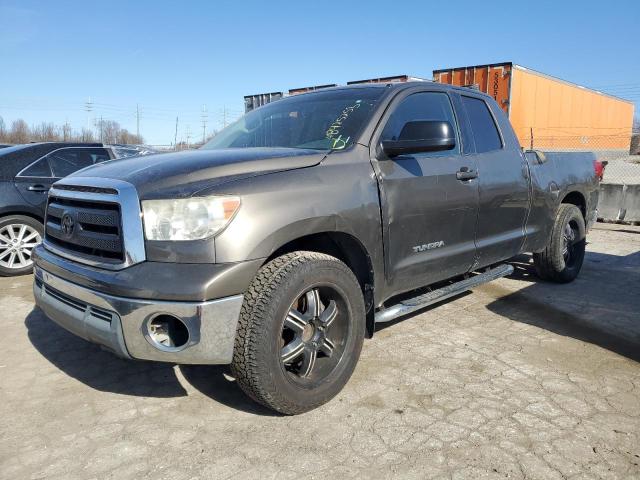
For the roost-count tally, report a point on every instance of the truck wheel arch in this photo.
(576, 198)
(347, 249)
(13, 213)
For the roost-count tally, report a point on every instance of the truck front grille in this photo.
(85, 228)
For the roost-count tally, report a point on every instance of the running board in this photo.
(410, 305)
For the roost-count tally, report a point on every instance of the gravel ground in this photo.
(519, 379)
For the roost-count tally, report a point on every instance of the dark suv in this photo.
(26, 174)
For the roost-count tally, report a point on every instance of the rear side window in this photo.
(37, 169)
(421, 106)
(485, 132)
(69, 160)
(99, 155)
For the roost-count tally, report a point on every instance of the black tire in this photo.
(562, 259)
(258, 361)
(15, 222)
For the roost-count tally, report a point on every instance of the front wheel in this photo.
(562, 259)
(19, 235)
(300, 332)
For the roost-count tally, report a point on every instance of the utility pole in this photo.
(203, 115)
(137, 121)
(188, 135)
(224, 116)
(101, 129)
(175, 138)
(88, 107)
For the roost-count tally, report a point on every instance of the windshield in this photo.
(328, 120)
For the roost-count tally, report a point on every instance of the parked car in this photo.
(279, 245)
(124, 151)
(26, 174)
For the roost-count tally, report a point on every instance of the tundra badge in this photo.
(428, 246)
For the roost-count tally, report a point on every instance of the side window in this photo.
(99, 155)
(422, 106)
(37, 169)
(68, 160)
(485, 132)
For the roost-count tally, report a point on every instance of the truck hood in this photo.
(183, 174)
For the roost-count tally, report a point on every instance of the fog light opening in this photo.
(167, 332)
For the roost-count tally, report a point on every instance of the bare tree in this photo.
(125, 136)
(109, 131)
(85, 136)
(19, 132)
(66, 132)
(45, 132)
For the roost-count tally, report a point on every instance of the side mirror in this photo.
(421, 136)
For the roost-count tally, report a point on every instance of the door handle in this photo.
(37, 188)
(465, 174)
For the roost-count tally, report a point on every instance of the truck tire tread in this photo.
(549, 263)
(253, 319)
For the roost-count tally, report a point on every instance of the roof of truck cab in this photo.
(392, 86)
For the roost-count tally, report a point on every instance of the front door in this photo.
(429, 209)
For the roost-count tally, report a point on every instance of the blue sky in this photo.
(171, 58)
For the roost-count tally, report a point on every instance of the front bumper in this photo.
(120, 324)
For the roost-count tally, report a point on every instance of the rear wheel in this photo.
(562, 259)
(18, 237)
(300, 332)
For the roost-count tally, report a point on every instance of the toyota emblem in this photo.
(67, 223)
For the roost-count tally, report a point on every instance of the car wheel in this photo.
(18, 237)
(300, 332)
(562, 259)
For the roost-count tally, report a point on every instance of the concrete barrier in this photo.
(619, 202)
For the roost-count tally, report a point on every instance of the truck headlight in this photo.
(187, 218)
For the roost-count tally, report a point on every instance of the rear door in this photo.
(503, 182)
(34, 181)
(429, 214)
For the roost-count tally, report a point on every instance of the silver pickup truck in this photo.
(278, 246)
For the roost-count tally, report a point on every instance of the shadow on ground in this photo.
(601, 307)
(102, 370)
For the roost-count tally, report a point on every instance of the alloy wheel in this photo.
(314, 334)
(17, 242)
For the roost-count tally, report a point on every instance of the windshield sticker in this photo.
(333, 132)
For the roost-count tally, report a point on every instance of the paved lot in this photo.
(519, 379)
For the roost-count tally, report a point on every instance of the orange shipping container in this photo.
(547, 112)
